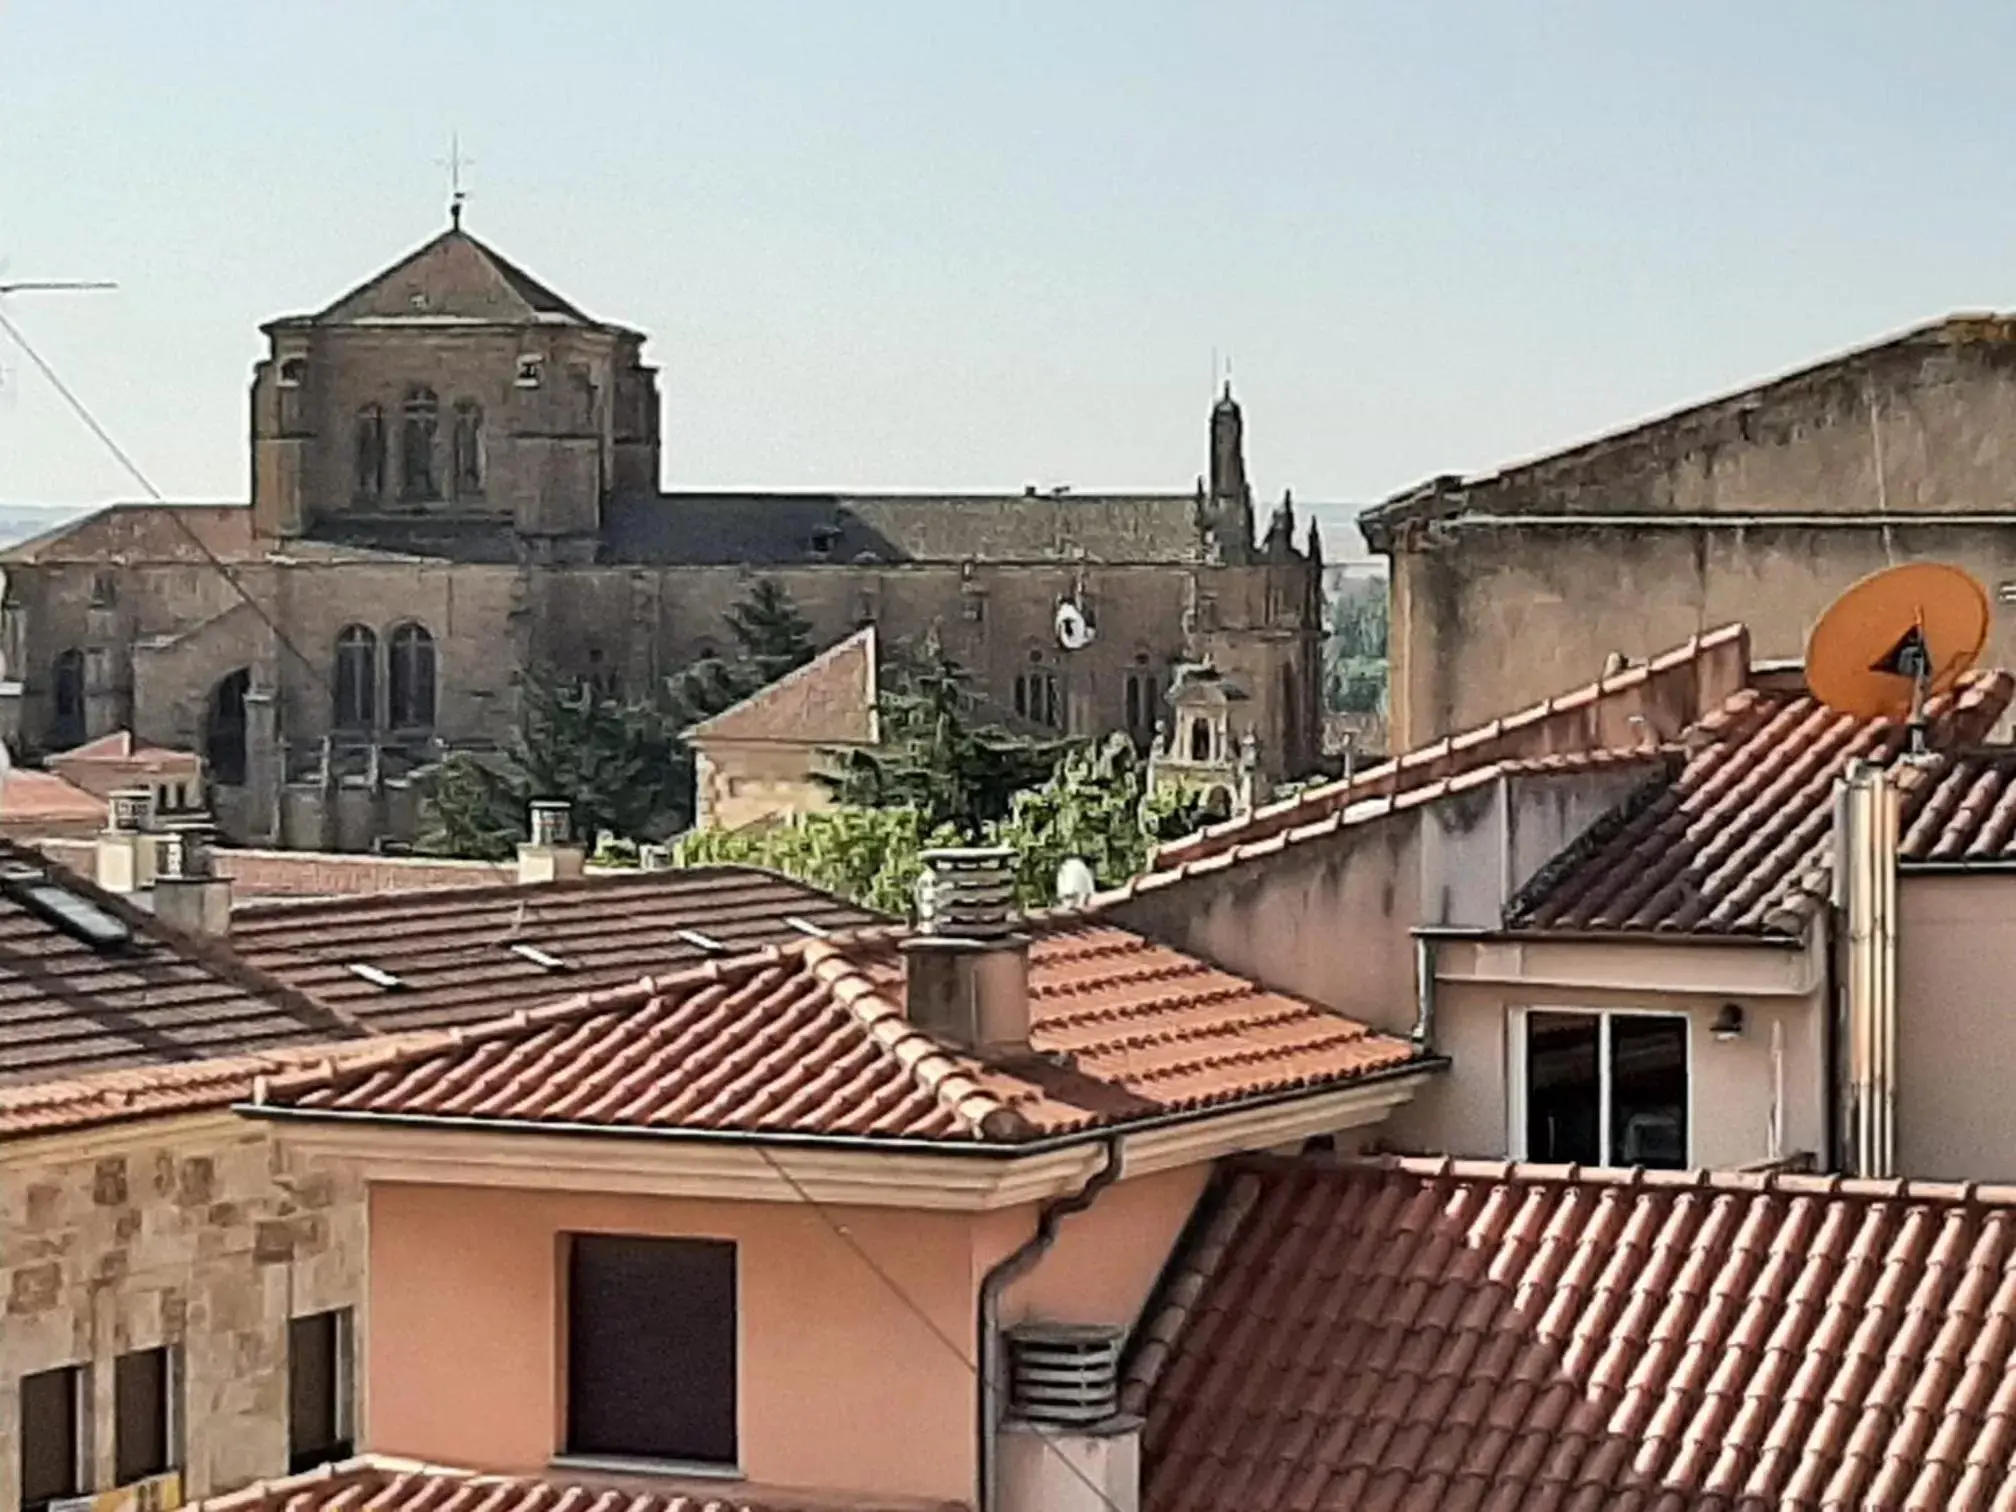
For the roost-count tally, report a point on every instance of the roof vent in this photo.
(552, 822)
(129, 810)
(967, 893)
(1064, 1375)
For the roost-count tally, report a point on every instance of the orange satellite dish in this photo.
(1897, 638)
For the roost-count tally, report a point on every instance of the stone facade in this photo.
(455, 477)
(1758, 507)
(200, 1234)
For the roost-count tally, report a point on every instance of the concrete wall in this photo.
(194, 1233)
(1329, 918)
(1956, 1035)
(1672, 526)
(739, 783)
(464, 1364)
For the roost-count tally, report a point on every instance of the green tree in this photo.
(771, 638)
(867, 855)
(1096, 805)
(622, 764)
(938, 754)
(616, 763)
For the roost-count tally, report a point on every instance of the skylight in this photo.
(701, 941)
(75, 915)
(373, 975)
(544, 960)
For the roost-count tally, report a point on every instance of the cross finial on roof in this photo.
(455, 162)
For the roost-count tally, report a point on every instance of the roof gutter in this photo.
(1017, 1263)
(973, 1148)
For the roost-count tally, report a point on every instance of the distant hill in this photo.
(21, 522)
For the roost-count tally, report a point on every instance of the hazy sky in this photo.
(956, 243)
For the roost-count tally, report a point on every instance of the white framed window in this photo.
(1601, 1087)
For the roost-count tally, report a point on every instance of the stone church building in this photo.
(1759, 506)
(456, 476)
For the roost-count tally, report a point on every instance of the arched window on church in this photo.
(1200, 740)
(412, 678)
(418, 477)
(468, 460)
(66, 713)
(371, 453)
(356, 681)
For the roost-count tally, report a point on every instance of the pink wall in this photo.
(463, 1341)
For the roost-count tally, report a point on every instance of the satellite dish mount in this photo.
(1895, 641)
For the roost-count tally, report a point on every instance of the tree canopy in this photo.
(623, 764)
(939, 754)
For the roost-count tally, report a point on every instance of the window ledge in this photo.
(623, 1464)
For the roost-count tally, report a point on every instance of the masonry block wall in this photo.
(1759, 507)
(199, 1234)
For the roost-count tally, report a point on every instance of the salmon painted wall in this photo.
(463, 1354)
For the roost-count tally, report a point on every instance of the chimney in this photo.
(188, 893)
(125, 859)
(966, 970)
(551, 854)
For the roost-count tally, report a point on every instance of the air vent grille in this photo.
(1064, 1375)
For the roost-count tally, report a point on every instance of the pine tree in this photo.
(773, 636)
(938, 756)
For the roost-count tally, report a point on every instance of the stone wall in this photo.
(1759, 507)
(199, 1234)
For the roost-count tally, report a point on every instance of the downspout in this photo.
(1010, 1268)
(1424, 992)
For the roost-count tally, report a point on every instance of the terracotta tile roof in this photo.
(147, 533)
(121, 746)
(813, 1040)
(269, 874)
(144, 999)
(1964, 812)
(828, 701)
(28, 797)
(376, 1483)
(1441, 1335)
(452, 949)
(1740, 842)
(1641, 705)
(1374, 806)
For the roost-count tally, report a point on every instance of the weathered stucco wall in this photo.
(466, 1286)
(1735, 1084)
(195, 1234)
(1760, 507)
(1329, 918)
(1956, 1036)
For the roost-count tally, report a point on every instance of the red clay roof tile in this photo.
(1740, 841)
(1621, 711)
(451, 949)
(1439, 1334)
(828, 701)
(376, 1483)
(813, 1040)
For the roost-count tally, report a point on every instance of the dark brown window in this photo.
(1606, 1089)
(412, 669)
(143, 1430)
(370, 452)
(66, 726)
(468, 461)
(1039, 696)
(50, 1450)
(319, 1376)
(1143, 705)
(651, 1365)
(356, 681)
(418, 477)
